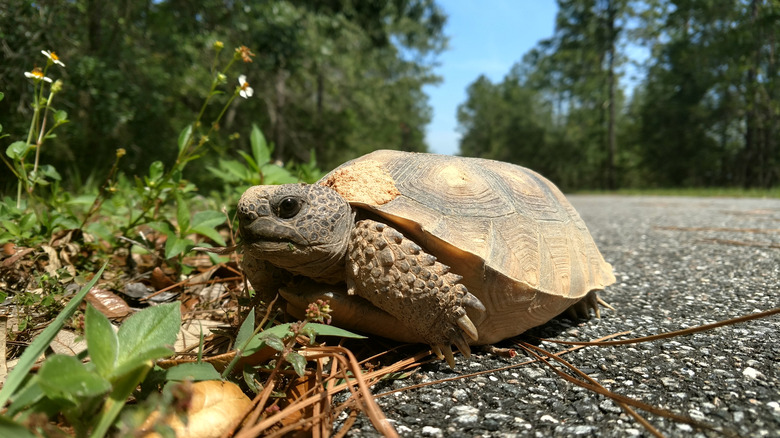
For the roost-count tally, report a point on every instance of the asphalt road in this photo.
(679, 263)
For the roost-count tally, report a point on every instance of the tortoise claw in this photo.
(463, 346)
(437, 351)
(447, 350)
(464, 322)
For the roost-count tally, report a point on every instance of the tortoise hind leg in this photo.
(581, 309)
(397, 276)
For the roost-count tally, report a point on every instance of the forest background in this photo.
(340, 78)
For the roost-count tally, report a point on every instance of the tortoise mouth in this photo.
(266, 233)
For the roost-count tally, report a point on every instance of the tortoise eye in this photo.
(289, 207)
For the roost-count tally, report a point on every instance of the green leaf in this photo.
(29, 221)
(102, 341)
(16, 150)
(12, 228)
(250, 162)
(193, 371)
(246, 329)
(260, 148)
(274, 342)
(25, 397)
(274, 174)
(297, 361)
(60, 117)
(250, 377)
(209, 218)
(234, 168)
(163, 227)
(184, 138)
(42, 341)
(222, 175)
(123, 387)
(280, 331)
(140, 360)
(82, 200)
(182, 214)
(64, 377)
(146, 335)
(211, 233)
(156, 170)
(176, 246)
(329, 330)
(2, 95)
(50, 171)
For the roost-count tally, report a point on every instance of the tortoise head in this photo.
(303, 228)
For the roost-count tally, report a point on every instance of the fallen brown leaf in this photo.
(108, 303)
(214, 408)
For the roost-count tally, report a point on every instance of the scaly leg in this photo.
(397, 276)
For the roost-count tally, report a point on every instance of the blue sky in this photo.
(485, 37)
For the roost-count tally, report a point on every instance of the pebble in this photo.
(432, 431)
(753, 373)
(464, 415)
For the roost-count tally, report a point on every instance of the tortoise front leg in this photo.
(397, 276)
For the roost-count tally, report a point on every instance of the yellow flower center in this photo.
(54, 56)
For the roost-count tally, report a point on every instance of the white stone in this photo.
(431, 431)
(753, 373)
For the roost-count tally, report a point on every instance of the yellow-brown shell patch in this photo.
(367, 182)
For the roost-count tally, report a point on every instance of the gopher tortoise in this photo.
(424, 248)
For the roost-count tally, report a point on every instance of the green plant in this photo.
(258, 168)
(91, 395)
(160, 185)
(283, 338)
(29, 175)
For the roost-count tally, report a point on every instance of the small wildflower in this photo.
(319, 311)
(221, 78)
(218, 45)
(53, 57)
(37, 74)
(57, 86)
(245, 53)
(245, 90)
(120, 152)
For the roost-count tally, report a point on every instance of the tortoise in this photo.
(425, 248)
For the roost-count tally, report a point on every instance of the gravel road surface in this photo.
(679, 263)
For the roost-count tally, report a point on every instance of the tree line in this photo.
(341, 78)
(336, 77)
(705, 114)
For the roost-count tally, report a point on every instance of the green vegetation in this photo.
(338, 78)
(706, 114)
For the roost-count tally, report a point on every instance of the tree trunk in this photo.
(611, 139)
(751, 161)
(773, 108)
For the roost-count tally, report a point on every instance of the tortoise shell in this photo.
(519, 244)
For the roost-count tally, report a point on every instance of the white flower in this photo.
(245, 90)
(37, 75)
(53, 57)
